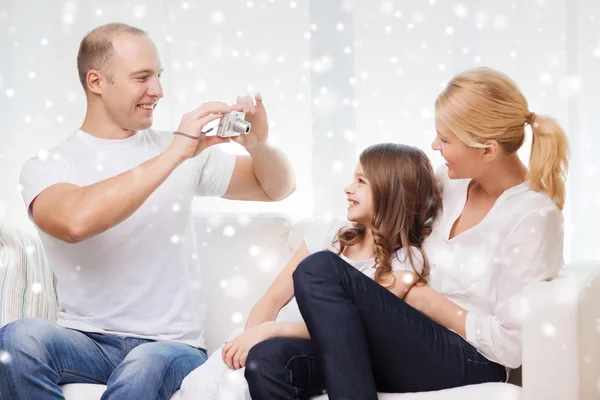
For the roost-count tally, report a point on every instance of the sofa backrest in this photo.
(240, 257)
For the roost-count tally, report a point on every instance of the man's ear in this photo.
(94, 81)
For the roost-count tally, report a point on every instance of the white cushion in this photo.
(88, 391)
(487, 391)
(561, 355)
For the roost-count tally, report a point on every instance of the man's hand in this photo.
(194, 139)
(256, 114)
(236, 351)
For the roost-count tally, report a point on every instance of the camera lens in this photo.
(241, 126)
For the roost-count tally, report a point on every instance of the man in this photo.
(112, 206)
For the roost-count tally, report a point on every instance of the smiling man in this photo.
(112, 207)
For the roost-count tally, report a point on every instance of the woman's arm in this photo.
(404, 280)
(279, 293)
(437, 307)
(531, 254)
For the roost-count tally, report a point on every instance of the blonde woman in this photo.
(500, 229)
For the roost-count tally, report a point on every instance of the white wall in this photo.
(336, 76)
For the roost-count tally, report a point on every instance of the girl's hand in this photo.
(236, 351)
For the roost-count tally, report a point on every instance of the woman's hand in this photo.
(236, 351)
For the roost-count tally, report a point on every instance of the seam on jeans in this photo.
(479, 362)
(100, 349)
(13, 391)
(287, 366)
(60, 372)
(296, 392)
(168, 372)
(300, 356)
(80, 375)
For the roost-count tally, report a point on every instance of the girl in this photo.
(500, 229)
(392, 200)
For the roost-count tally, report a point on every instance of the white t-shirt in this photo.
(485, 269)
(326, 239)
(140, 278)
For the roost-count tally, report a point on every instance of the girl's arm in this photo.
(279, 293)
(261, 325)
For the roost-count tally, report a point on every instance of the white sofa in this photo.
(241, 255)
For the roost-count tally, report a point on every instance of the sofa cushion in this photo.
(487, 391)
(88, 391)
(27, 284)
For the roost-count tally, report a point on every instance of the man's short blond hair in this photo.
(96, 49)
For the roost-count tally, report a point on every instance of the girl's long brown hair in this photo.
(406, 197)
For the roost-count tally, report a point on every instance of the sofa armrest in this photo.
(561, 331)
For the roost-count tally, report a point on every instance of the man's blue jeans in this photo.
(40, 355)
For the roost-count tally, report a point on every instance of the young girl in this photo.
(392, 200)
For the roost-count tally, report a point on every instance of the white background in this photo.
(336, 77)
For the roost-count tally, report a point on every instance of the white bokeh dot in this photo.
(217, 17)
(461, 11)
(266, 265)
(5, 357)
(254, 251)
(36, 287)
(548, 329)
(237, 317)
(545, 77)
(229, 231)
(139, 11)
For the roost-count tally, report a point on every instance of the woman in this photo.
(499, 231)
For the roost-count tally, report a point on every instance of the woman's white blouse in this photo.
(486, 268)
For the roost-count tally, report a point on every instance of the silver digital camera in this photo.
(233, 124)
